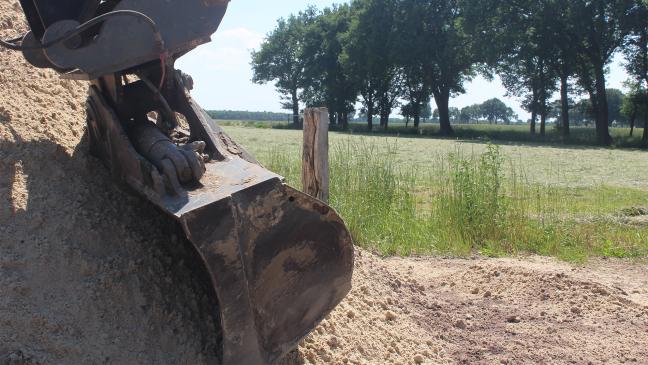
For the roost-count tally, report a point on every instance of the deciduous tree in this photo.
(281, 59)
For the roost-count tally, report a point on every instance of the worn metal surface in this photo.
(43, 13)
(124, 43)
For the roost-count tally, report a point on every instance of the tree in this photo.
(517, 44)
(412, 111)
(635, 107)
(368, 56)
(443, 50)
(415, 90)
(407, 112)
(327, 80)
(281, 59)
(410, 53)
(599, 28)
(583, 113)
(636, 53)
(454, 114)
(615, 100)
(494, 110)
(426, 111)
(470, 113)
(557, 27)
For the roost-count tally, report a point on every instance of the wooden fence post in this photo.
(315, 161)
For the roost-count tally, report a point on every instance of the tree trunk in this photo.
(443, 104)
(564, 99)
(534, 109)
(645, 133)
(602, 116)
(407, 120)
(384, 119)
(543, 106)
(295, 106)
(417, 115)
(345, 121)
(633, 119)
(385, 111)
(370, 111)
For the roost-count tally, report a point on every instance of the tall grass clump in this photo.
(473, 201)
(376, 196)
(471, 207)
(368, 188)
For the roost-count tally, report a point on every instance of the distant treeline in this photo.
(251, 116)
(399, 54)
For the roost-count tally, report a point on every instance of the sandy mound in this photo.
(86, 276)
(89, 276)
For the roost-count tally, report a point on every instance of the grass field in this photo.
(406, 195)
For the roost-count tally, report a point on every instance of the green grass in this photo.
(421, 196)
(579, 136)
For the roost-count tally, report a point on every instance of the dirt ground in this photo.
(487, 311)
(88, 276)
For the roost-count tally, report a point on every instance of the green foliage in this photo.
(369, 55)
(615, 100)
(494, 110)
(281, 59)
(635, 104)
(636, 50)
(328, 83)
(390, 52)
(249, 116)
(532, 44)
(472, 200)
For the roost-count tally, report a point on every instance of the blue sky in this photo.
(222, 74)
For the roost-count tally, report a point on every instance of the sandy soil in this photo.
(88, 276)
(487, 311)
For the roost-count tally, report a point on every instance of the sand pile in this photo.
(87, 275)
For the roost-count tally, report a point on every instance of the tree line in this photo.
(249, 116)
(387, 54)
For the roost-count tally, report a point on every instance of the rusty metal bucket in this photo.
(279, 260)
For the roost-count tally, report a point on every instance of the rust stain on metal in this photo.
(322, 209)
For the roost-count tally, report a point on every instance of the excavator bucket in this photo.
(278, 260)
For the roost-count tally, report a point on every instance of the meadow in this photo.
(411, 195)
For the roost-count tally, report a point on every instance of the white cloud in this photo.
(229, 51)
(240, 37)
